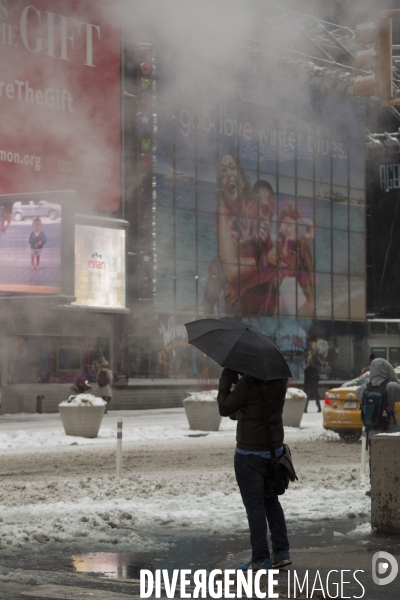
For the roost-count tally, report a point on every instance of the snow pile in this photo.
(83, 400)
(295, 394)
(177, 428)
(110, 511)
(206, 396)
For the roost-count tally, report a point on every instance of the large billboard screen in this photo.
(60, 99)
(99, 267)
(30, 246)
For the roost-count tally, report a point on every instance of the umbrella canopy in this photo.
(239, 347)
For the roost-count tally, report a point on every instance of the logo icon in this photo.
(381, 561)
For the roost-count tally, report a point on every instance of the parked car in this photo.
(29, 209)
(341, 410)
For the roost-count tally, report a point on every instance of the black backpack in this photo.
(375, 413)
(102, 378)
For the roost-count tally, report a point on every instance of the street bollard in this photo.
(363, 452)
(119, 447)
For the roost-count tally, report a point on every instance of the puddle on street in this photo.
(205, 552)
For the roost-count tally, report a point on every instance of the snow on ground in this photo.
(124, 512)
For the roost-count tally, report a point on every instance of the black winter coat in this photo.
(246, 401)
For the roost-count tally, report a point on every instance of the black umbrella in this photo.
(239, 347)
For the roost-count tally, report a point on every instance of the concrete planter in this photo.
(293, 410)
(82, 421)
(202, 415)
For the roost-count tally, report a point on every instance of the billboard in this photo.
(99, 267)
(266, 206)
(60, 99)
(30, 246)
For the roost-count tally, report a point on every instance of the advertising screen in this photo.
(60, 99)
(99, 266)
(30, 246)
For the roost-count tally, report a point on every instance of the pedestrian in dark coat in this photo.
(105, 391)
(253, 464)
(311, 379)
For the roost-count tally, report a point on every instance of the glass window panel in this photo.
(323, 213)
(357, 218)
(207, 187)
(340, 194)
(206, 236)
(340, 215)
(323, 295)
(165, 192)
(394, 356)
(305, 189)
(357, 167)
(339, 119)
(340, 251)
(357, 254)
(209, 286)
(305, 293)
(184, 178)
(164, 297)
(164, 137)
(323, 254)
(357, 122)
(248, 150)
(268, 290)
(323, 160)
(268, 144)
(288, 293)
(357, 298)
(186, 234)
(287, 152)
(340, 297)
(305, 156)
(287, 120)
(207, 138)
(185, 144)
(378, 351)
(286, 186)
(340, 163)
(164, 232)
(185, 285)
(305, 246)
(357, 197)
(322, 115)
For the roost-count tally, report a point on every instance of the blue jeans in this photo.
(254, 478)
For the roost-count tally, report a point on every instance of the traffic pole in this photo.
(119, 447)
(363, 452)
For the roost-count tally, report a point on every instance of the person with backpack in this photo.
(378, 413)
(105, 381)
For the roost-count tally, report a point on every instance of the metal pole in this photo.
(363, 452)
(119, 447)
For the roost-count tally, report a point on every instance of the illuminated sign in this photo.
(30, 246)
(99, 266)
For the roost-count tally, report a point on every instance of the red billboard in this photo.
(60, 99)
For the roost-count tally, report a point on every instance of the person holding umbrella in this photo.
(257, 402)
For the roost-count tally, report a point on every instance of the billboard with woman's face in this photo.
(260, 204)
(259, 214)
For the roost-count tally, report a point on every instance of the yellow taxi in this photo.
(341, 410)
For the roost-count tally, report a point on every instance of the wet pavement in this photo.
(101, 573)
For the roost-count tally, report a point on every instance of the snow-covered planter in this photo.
(81, 415)
(202, 411)
(295, 402)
